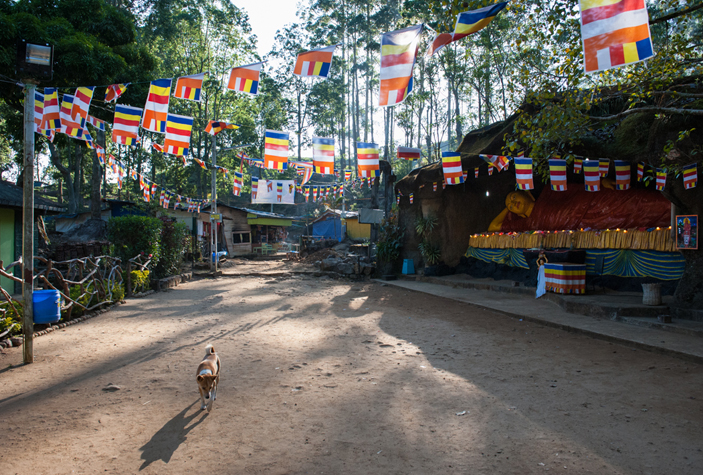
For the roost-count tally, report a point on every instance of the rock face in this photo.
(349, 264)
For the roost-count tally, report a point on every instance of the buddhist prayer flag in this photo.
(314, 193)
(97, 123)
(100, 152)
(178, 130)
(81, 104)
(661, 179)
(347, 174)
(156, 108)
(254, 186)
(279, 191)
(157, 147)
(238, 180)
(523, 173)
(113, 92)
(690, 176)
(39, 115)
(434, 186)
(125, 127)
(411, 196)
(51, 120)
(604, 166)
(398, 53)
(591, 175)
(451, 166)
(476, 170)
(557, 174)
(276, 150)
(622, 175)
(367, 159)
(466, 24)
(407, 153)
(578, 164)
(397, 200)
(314, 63)
(69, 126)
(323, 155)
(640, 171)
(201, 163)
(189, 87)
(245, 79)
(498, 161)
(133, 174)
(307, 194)
(614, 33)
(304, 169)
(214, 127)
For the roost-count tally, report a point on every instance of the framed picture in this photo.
(687, 232)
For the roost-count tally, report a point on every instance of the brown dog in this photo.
(208, 377)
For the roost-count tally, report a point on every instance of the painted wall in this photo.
(356, 230)
(7, 244)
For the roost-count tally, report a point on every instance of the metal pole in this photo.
(213, 224)
(28, 224)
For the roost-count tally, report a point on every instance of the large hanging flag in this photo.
(557, 174)
(591, 175)
(238, 180)
(51, 120)
(690, 176)
(451, 166)
(214, 127)
(523, 173)
(178, 130)
(467, 23)
(398, 53)
(661, 179)
(81, 104)
(622, 175)
(614, 33)
(190, 87)
(323, 155)
(314, 63)
(245, 79)
(125, 128)
(156, 108)
(604, 166)
(408, 153)
(113, 92)
(304, 169)
(276, 150)
(368, 160)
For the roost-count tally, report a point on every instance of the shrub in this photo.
(140, 280)
(174, 244)
(9, 318)
(133, 235)
(391, 238)
(117, 292)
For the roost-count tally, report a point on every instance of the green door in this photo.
(7, 245)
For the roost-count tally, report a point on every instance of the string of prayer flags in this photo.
(81, 104)
(397, 200)
(591, 174)
(201, 163)
(190, 87)
(451, 166)
(238, 180)
(51, 119)
(214, 127)
(114, 91)
(523, 173)
(276, 150)
(254, 186)
(398, 53)
(622, 175)
(245, 79)
(603, 167)
(315, 63)
(178, 131)
(368, 160)
(156, 108)
(557, 174)
(690, 176)
(661, 179)
(578, 165)
(614, 33)
(304, 169)
(125, 126)
(640, 171)
(408, 153)
(467, 23)
(323, 155)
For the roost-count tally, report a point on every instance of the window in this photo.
(241, 238)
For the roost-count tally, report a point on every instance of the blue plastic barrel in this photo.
(47, 306)
(218, 255)
(408, 266)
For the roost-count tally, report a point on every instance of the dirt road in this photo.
(336, 377)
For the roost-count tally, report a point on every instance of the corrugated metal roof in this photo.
(11, 195)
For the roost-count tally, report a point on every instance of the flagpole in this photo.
(213, 265)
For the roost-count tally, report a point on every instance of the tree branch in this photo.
(676, 14)
(661, 110)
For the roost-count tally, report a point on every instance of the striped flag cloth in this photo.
(614, 33)
(622, 175)
(591, 174)
(39, 116)
(307, 194)
(156, 108)
(603, 167)
(557, 174)
(397, 200)
(114, 91)
(97, 123)
(157, 147)
(640, 171)
(120, 174)
(323, 155)
(254, 186)
(245, 79)
(434, 186)
(201, 163)
(451, 166)
(490, 170)
(154, 188)
(367, 159)
(398, 53)
(347, 174)
(314, 193)
(69, 126)
(690, 176)
(304, 169)
(476, 171)
(238, 180)
(276, 150)
(133, 174)
(279, 191)
(100, 152)
(444, 185)
(51, 120)
(407, 153)
(578, 165)
(466, 24)
(411, 196)
(315, 63)
(81, 104)
(465, 175)
(125, 126)
(498, 161)
(214, 127)
(523, 174)
(661, 179)
(190, 87)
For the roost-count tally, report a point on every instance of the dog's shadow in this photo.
(165, 442)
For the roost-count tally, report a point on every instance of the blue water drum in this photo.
(47, 306)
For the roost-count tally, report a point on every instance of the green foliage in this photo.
(431, 252)
(390, 238)
(174, 241)
(118, 292)
(425, 226)
(75, 292)
(134, 235)
(140, 280)
(10, 317)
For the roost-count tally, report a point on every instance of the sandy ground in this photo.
(324, 376)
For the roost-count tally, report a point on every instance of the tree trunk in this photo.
(95, 179)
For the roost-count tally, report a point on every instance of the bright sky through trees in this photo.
(266, 17)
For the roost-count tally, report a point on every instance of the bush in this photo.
(118, 292)
(134, 235)
(175, 241)
(391, 238)
(140, 280)
(10, 318)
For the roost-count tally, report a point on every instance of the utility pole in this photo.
(28, 224)
(213, 224)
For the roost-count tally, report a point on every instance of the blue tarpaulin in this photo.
(326, 229)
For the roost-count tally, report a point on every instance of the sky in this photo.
(266, 17)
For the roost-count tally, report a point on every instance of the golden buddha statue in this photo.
(519, 202)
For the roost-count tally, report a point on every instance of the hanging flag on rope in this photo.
(279, 191)
(305, 169)
(69, 126)
(451, 166)
(465, 175)
(178, 130)
(490, 170)
(81, 104)
(307, 193)
(411, 196)
(157, 147)
(133, 174)
(578, 165)
(154, 188)
(51, 120)
(315, 63)
(189, 87)
(125, 126)
(323, 155)
(466, 23)
(156, 108)
(591, 174)
(557, 174)
(523, 174)
(113, 92)
(238, 180)
(614, 33)
(640, 171)
(368, 160)
(314, 193)
(398, 53)
(245, 79)
(407, 153)
(397, 200)
(622, 175)
(276, 150)
(39, 116)
(498, 161)
(690, 176)
(661, 179)
(603, 167)
(97, 123)
(201, 163)
(347, 174)
(254, 187)
(214, 127)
